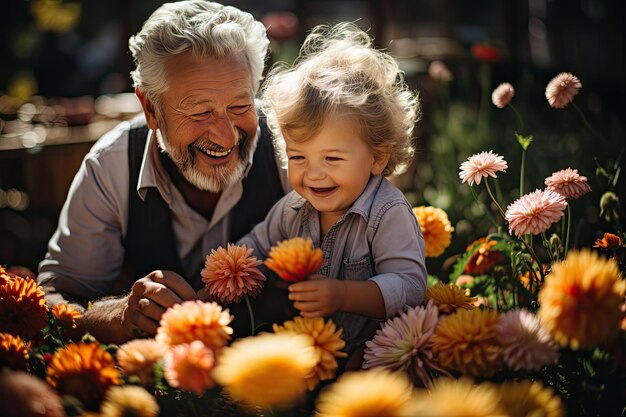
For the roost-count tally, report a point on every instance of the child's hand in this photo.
(318, 296)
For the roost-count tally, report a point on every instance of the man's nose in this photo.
(223, 132)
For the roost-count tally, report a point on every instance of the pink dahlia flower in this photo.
(561, 90)
(188, 366)
(231, 273)
(526, 344)
(568, 183)
(437, 70)
(535, 212)
(502, 95)
(481, 165)
(404, 343)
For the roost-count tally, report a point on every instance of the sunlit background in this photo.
(64, 80)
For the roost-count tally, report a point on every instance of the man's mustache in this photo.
(209, 145)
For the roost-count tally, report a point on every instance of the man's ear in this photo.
(381, 158)
(148, 109)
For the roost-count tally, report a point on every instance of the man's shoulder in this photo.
(112, 143)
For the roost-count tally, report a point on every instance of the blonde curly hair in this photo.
(340, 72)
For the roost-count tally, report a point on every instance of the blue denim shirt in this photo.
(378, 238)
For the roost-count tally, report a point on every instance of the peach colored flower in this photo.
(24, 395)
(480, 166)
(195, 320)
(66, 315)
(450, 297)
(376, 392)
(561, 90)
(268, 370)
(483, 258)
(295, 259)
(84, 371)
(437, 70)
(138, 357)
(13, 352)
(526, 344)
(23, 309)
(530, 398)
(568, 183)
(188, 366)
(502, 95)
(467, 341)
(129, 400)
(436, 229)
(608, 241)
(535, 212)
(459, 397)
(404, 344)
(326, 339)
(464, 280)
(579, 302)
(231, 273)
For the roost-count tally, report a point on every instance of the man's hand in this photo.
(318, 296)
(149, 298)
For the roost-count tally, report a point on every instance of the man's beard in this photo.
(221, 176)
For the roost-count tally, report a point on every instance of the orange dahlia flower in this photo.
(295, 259)
(66, 315)
(4, 276)
(138, 357)
(608, 241)
(195, 320)
(13, 352)
(467, 341)
(23, 309)
(326, 339)
(483, 258)
(84, 371)
(231, 273)
(188, 366)
(450, 297)
(436, 229)
(579, 302)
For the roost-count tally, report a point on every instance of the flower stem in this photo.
(520, 120)
(546, 244)
(485, 211)
(493, 199)
(582, 116)
(250, 313)
(522, 173)
(569, 224)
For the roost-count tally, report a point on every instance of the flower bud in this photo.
(609, 207)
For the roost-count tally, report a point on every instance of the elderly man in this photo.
(154, 196)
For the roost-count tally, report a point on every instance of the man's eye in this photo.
(201, 114)
(240, 109)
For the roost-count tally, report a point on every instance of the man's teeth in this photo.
(217, 154)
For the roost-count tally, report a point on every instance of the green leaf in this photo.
(524, 141)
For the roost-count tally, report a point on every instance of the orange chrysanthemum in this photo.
(231, 273)
(13, 352)
(195, 320)
(326, 339)
(66, 315)
(483, 258)
(138, 357)
(4, 276)
(450, 297)
(608, 241)
(467, 341)
(84, 371)
(580, 300)
(436, 229)
(528, 398)
(23, 309)
(295, 259)
(188, 366)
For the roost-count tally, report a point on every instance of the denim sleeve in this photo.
(399, 257)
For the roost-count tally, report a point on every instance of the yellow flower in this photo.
(459, 397)
(23, 309)
(195, 320)
(326, 339)
(139, 356)
(436, 229)
(527, 398)
(129, 400)
(13, 352)
(580, 300)
(467, 341)
(82, 370)
(66, 315)
(269, 370)
(450, 297)
(376, 392)
(295, 259)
